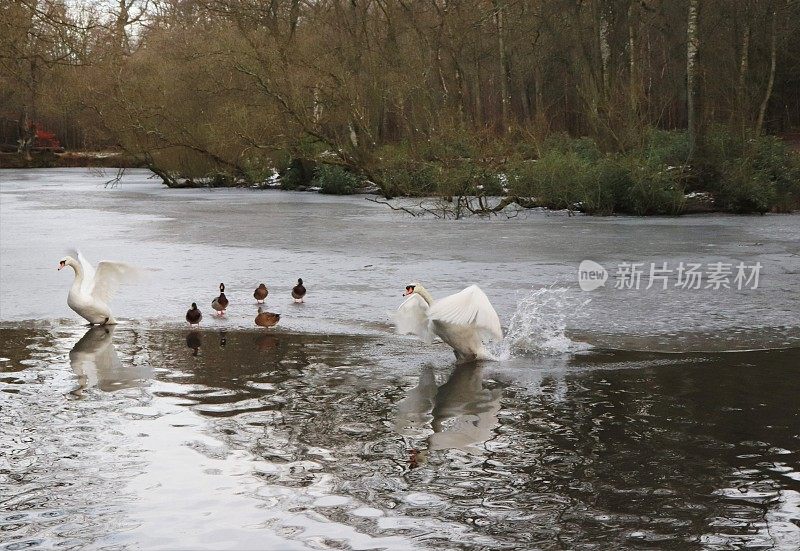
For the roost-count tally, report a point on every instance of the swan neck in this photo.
(78, 281)
(423, 292)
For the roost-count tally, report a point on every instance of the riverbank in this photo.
(662, 175)
(70, 159)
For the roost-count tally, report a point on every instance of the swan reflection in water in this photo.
(94, 360)
(460, 414)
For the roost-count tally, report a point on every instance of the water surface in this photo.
(614, 419)
(255, 440)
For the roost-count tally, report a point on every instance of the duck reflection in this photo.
(266, 343)
(194, 342)
(94, 360)
(461, 413)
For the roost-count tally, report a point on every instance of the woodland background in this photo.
(599, 105)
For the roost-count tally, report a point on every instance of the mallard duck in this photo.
(193, 315)
(92, 289)
(298, 291)
(260, 294)
(221, 302)
(463, 320)
(266, 319)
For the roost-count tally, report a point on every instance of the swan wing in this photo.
(468, 307)
(109, 276)
(412, 317)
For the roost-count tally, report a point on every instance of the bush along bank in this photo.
(656, 175)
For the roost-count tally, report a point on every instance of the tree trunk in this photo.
(460, 93)
(26, 134)
(692, 44)
(505, 100)
(605, 51)
(121, 21)
(632, 84)
(741, 88)
(539, 113)
(478, 98)
(773, 54)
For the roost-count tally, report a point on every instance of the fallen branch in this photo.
(388, 204)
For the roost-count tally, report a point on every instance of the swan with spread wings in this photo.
(92, 289)
(463, 320)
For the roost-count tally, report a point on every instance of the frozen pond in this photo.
(615, 418)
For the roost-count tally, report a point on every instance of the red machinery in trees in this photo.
(45, 140)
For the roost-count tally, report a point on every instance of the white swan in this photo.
(92, 289)
(463, 320)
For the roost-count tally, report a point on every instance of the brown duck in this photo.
(266, 319)
(260, 294)
(298, 291)
(221, 302)
(193, 315)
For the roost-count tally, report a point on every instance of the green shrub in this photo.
(468, 178)
(744, 188)
(291, 178)
(654, 188)
(585, 148)
(299, 172)
(748, 174)
(605, 188)
(256, 169)
(556, 180)
(410, 178)
(781, 166)
(335, 180)
(444, 147)
(667, 147)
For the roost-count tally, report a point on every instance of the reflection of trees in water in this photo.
(18, 344)
(574, 442)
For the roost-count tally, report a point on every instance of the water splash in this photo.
(539, 324)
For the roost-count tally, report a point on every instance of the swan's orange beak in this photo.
(409, 290)
(61, 264)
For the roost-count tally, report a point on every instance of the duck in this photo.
(266, 319)
(193, 315)
(462, 320)
(92, 289)
(260, 294)
(299, 291)
(220, 304)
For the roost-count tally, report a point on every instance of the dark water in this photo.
(143, 438)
